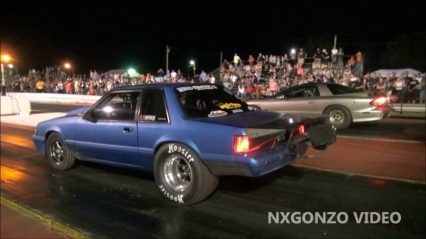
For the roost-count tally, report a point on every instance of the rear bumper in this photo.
(320, 134)
(372, 115)
(257, 164)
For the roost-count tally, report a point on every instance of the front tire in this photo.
(181, 176)
(58, 154)
(339, 116)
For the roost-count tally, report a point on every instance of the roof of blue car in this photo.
(156, 85)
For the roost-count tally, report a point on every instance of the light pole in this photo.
(5, 58)
(192, 63)
(167, 58)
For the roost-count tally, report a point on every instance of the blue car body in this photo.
(133, 143)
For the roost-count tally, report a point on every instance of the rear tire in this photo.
(181, 176)
(58, 154)
(339, 116)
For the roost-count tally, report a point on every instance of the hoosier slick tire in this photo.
(181, 176)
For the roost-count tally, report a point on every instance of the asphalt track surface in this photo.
(109, 202)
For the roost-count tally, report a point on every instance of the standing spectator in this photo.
(212, 79)
(381, 86)
(325, 57)
(173, 75)
(68, 87)
(399, 88)
(371, 82)
(340, 55)
(160, 72)
(241, 91)
(411, 84)
(301, 56)
(234, 79)
(40, 86)
(60, 87)
(334, 54)
(251, 60)
(359, 65)
(260, 58)
(237, 60)
(76, 87)
(203, 76)
(317, 59)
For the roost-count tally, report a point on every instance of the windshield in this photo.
(202, 101)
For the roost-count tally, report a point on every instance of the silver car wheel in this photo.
(177, 173)
(57, 152)
(337, 117)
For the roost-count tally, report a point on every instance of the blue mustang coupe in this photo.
(187, 134)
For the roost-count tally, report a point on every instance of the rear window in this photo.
(204, 101)
(340, 89)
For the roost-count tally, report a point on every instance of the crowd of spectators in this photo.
(256, 77)
(269, 74)
(56, 79)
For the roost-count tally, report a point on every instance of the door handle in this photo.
(311, 102)
(127, 130)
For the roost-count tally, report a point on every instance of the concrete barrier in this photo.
(410, 110)
(57, 98)
(417, 108)
(12, 105)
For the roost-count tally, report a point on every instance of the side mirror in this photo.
(89, 117)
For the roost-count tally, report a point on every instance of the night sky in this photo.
(119, 34)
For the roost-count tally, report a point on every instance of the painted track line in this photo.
(382, 139)
(42, 219)
(361, 174)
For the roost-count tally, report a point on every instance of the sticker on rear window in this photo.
(229, 106)
(196, 87)
(217, 113)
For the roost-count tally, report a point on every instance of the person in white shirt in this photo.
(212, 79)
(334, 53)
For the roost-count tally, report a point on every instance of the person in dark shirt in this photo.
(325, 57)
(411, 89)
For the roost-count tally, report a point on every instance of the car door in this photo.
(153, 122)
(299, 100)
(108, 132)
(302, 100)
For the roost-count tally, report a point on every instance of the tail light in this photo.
(379, 101)
(243, 144)
(301, 129)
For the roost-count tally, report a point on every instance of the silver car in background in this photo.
(342, 104)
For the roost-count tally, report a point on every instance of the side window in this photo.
(340, 89)
(153, 108)
(303, 92)
(119, 106)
